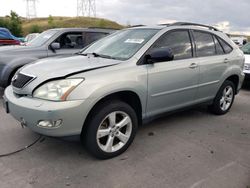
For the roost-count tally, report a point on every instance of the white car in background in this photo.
(30, 37)
(246, 50)
(240, 41)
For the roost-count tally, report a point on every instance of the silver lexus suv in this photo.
(103, 93)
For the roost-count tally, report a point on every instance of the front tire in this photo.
(111, 129)
(224, 99)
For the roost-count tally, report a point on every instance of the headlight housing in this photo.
(57, 90)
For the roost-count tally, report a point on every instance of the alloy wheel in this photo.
(227, 98)
(114, 131)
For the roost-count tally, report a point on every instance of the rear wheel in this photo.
(111, 129)
(224, 98)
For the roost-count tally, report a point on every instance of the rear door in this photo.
(213, 62)
(173, 84)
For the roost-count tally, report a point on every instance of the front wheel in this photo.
(224, 98)
(111, 129)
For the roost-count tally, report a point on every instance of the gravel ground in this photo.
(192, 149)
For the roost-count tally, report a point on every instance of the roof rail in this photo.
(140, 25)
(107, 28)
(191, 24)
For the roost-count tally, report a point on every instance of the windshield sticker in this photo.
(46, 36)
(135, 41)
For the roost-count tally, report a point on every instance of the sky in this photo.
(227, 15)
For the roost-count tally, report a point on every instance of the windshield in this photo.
(122, 44)
(42, 38)
(246, 48)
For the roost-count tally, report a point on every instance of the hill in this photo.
(41, 24)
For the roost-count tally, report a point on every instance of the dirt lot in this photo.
(190, 149)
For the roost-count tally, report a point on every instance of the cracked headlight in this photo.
(57, 90)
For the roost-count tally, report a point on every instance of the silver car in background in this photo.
(50, 43)
(103, 93)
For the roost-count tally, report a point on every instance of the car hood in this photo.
(22, 54)
(60, 67)
(15, 48)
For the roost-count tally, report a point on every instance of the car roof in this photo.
(86, 29)
(4, 29)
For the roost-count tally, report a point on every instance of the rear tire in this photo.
(111, 129)
(224, 99)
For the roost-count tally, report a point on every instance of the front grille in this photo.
(20, 80)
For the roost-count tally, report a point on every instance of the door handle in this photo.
(193, 66)
(226, 60)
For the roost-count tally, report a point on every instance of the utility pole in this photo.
(86, 8)
(31, 9)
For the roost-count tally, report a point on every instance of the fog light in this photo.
(49, 124)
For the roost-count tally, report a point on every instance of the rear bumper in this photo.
(241, 80)
(31, 110)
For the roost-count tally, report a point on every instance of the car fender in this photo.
(13, 65)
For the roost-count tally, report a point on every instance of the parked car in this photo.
(63, 41)
(6, 38)
(104, 93)
(30, 37)
(246, 51)
(239, 41)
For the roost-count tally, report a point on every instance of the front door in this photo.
(70, 43)
(173, 84)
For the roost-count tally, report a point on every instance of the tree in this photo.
(51, 22)
(15, 24)
(4, 22)
(35, 29)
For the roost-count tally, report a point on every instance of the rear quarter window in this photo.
(226, 47)
(219, 49)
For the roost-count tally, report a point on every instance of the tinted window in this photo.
(227, 48)
(90, 37)
(204, 44)
(71, 40)
(179, 42)
(246, 48)
(219, 49)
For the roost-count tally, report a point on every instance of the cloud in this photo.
(228, 14)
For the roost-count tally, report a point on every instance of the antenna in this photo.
(31, 9)
(86, 8)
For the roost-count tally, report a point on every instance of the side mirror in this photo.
(159, 55)
(55, 46)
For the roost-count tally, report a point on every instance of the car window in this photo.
(122, 44)
(5, 35)
(178, 41)
(71, 40)
(227, 48)
(219, 49)
(204, 44)
(42, 38)
(91, 37)
(246, 48)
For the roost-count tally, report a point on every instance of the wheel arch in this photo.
(127, 96)
(235, 79)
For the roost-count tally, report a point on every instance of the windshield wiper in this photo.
(98, 55)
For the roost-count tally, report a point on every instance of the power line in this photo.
(86, 8)
(31, 9)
